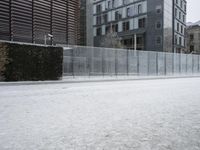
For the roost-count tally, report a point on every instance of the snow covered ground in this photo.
(159, 114)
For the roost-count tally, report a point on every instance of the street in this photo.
(162, 114)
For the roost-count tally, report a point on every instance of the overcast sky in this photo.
(193, 10)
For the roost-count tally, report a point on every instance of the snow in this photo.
(161, 114)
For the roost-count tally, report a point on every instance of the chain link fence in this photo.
(93, 61)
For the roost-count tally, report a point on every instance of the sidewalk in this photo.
(84, 79)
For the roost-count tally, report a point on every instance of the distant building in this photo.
(155, 25)
(32, 20)
(193, 39)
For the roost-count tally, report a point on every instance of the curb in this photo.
(68, 81)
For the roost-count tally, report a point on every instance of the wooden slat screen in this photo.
(31, 20)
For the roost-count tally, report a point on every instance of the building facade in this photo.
(89, 22)
(193, 39)
(155, 25)
(32, 20)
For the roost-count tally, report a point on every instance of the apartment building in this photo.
(193, 39)
(155, 25)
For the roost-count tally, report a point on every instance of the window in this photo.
(176, 39)
(140, 40)
(191, 37)
(128, 12)
(139, 9)
(107, 29)
(158, 9)
(180, 15)
(105, 18)
(98, 8)
(125, 2)
(126, 26)
(181, 4)
(98, 20)
(177, 26)
(99, 31)
(180, 41)
(175, 12)
(141, 23)
(118, 15)
(191, 48)
(158, 40)
(113, 3)
(109, 4)
(158, 25)
(115, 28)
(181, 29)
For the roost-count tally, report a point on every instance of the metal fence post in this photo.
(157, 64)
(127, 56)
(102, 61)
(148, 61)
(138, 62)
(90, 51)
(165, 63)
(198, 64)
(173, 63)
(180, 64)
(192, 64)
(186, 63)
(116, 62)
(72, 56)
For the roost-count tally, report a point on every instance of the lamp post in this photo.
(50, 36)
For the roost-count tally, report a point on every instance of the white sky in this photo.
(193, 10)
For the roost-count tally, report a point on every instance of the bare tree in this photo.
(111, 40)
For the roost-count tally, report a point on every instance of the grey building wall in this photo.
(83, 33)
(89, 23)
(154, 16)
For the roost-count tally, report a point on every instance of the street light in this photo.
(50, 36)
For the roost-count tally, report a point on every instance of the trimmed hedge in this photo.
(31, 62)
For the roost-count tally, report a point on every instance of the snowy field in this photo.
(125, 115)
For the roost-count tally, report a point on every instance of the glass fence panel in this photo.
(189, 64)
(195, 64)
(96, 61)
(80, 61)
(161, 64)
(87, 61)
(67, 62)
(133, 62)
(176, 63)
(169, 63)
(198, 63)
(109, 61)
(152, 63)
(183, 63)
(122, 62)
(143, 63)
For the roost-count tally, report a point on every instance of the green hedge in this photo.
(31, 62)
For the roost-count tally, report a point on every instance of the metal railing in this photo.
(93, 61)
